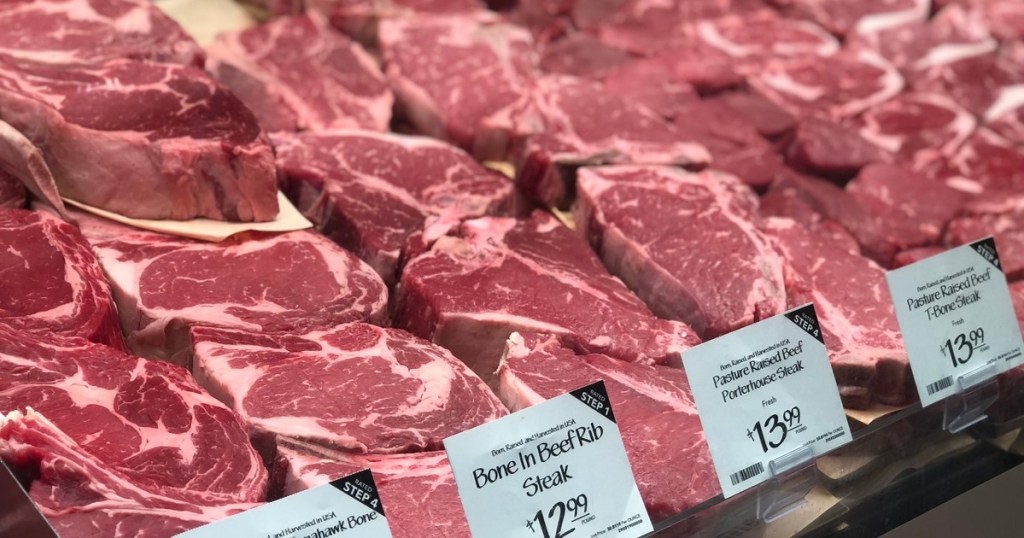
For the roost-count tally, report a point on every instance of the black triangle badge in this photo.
(361, 487)
(596, 397)
(987, 249)
(807, 319)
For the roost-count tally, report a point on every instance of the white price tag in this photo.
(348, 506)
(764, 391)
(552, 470)
(956, 316)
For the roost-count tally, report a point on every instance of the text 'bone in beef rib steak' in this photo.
(143, 139)
(298, 74)
(418, 491)
(653, 407)
(52, 283)
(354, 388)
(668, 233)
(386, 197)
(468, 293)
(253, 281)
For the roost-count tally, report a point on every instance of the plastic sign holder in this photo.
(792, 476)
(976, 392)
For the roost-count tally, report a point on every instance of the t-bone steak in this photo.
(418, 491)
(502, 275)
(81, 32)
(451, 72)
(143, 139)
(856, 313)
(386, 197)
(354, 388)
(653, 406)
(667, 233)
(259, 282)
(298, 74)
(51, 282)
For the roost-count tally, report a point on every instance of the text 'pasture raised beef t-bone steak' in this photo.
(418, 491)
(254, 281)
(386, 197)
(82, 496)
(143, 139)
(689, 244)
(354, 388)
(503, 275)
(653, 408)
(856, 312)
(451, 72)
(81, 32)
(298, 74)
(52, 283)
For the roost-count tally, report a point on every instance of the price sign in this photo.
(763, 392)
(553, 470)
(956, 316)
(349, 506)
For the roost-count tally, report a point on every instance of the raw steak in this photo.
(298, 74)
(843, 86)
(386, 197)
(354, 388)
(555, 128)
(856, 314)
(148, 421)
(259, 282)
(82, 496)
(1006, 117)
(1005, 18)
(654, 410)
(143, 139)
(12, 191)
(361, 18)
(22, 161)
(735, 144)
(831, 150)
(751, 39)
(449, 73)
(667, 233)
(978, 83)
(81, 32)
(994, 163)
(502, 275)
(582, 55)
(915, 255)
(647, 83)
(768, 118)
(1008, 233)
(418, 491)
(691, 62)
(52, 283)
(917, 123)
(843, 17)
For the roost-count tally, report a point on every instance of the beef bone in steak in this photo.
(386, 197)
(143, 139)
(254, 281)
(913, 126)
(83, 497)
(449, 73)
(555, 128)
(843, 17)
(147, 421)
(52, 283)
(298, 74)
(353, 388)
(418, 491)
(653, 406)
(668, 233)
(856, 313)
(468, 293)
(81, 32)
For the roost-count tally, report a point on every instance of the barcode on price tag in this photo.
(941, 384)
(746, 474)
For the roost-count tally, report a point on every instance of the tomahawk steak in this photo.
(298, 74)
(354, 388)
(386, 197)
(653, 406)
(418, 491)
(668, 233)
(143, 139)
(51, 283)
(259, 282)
(468, 293)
